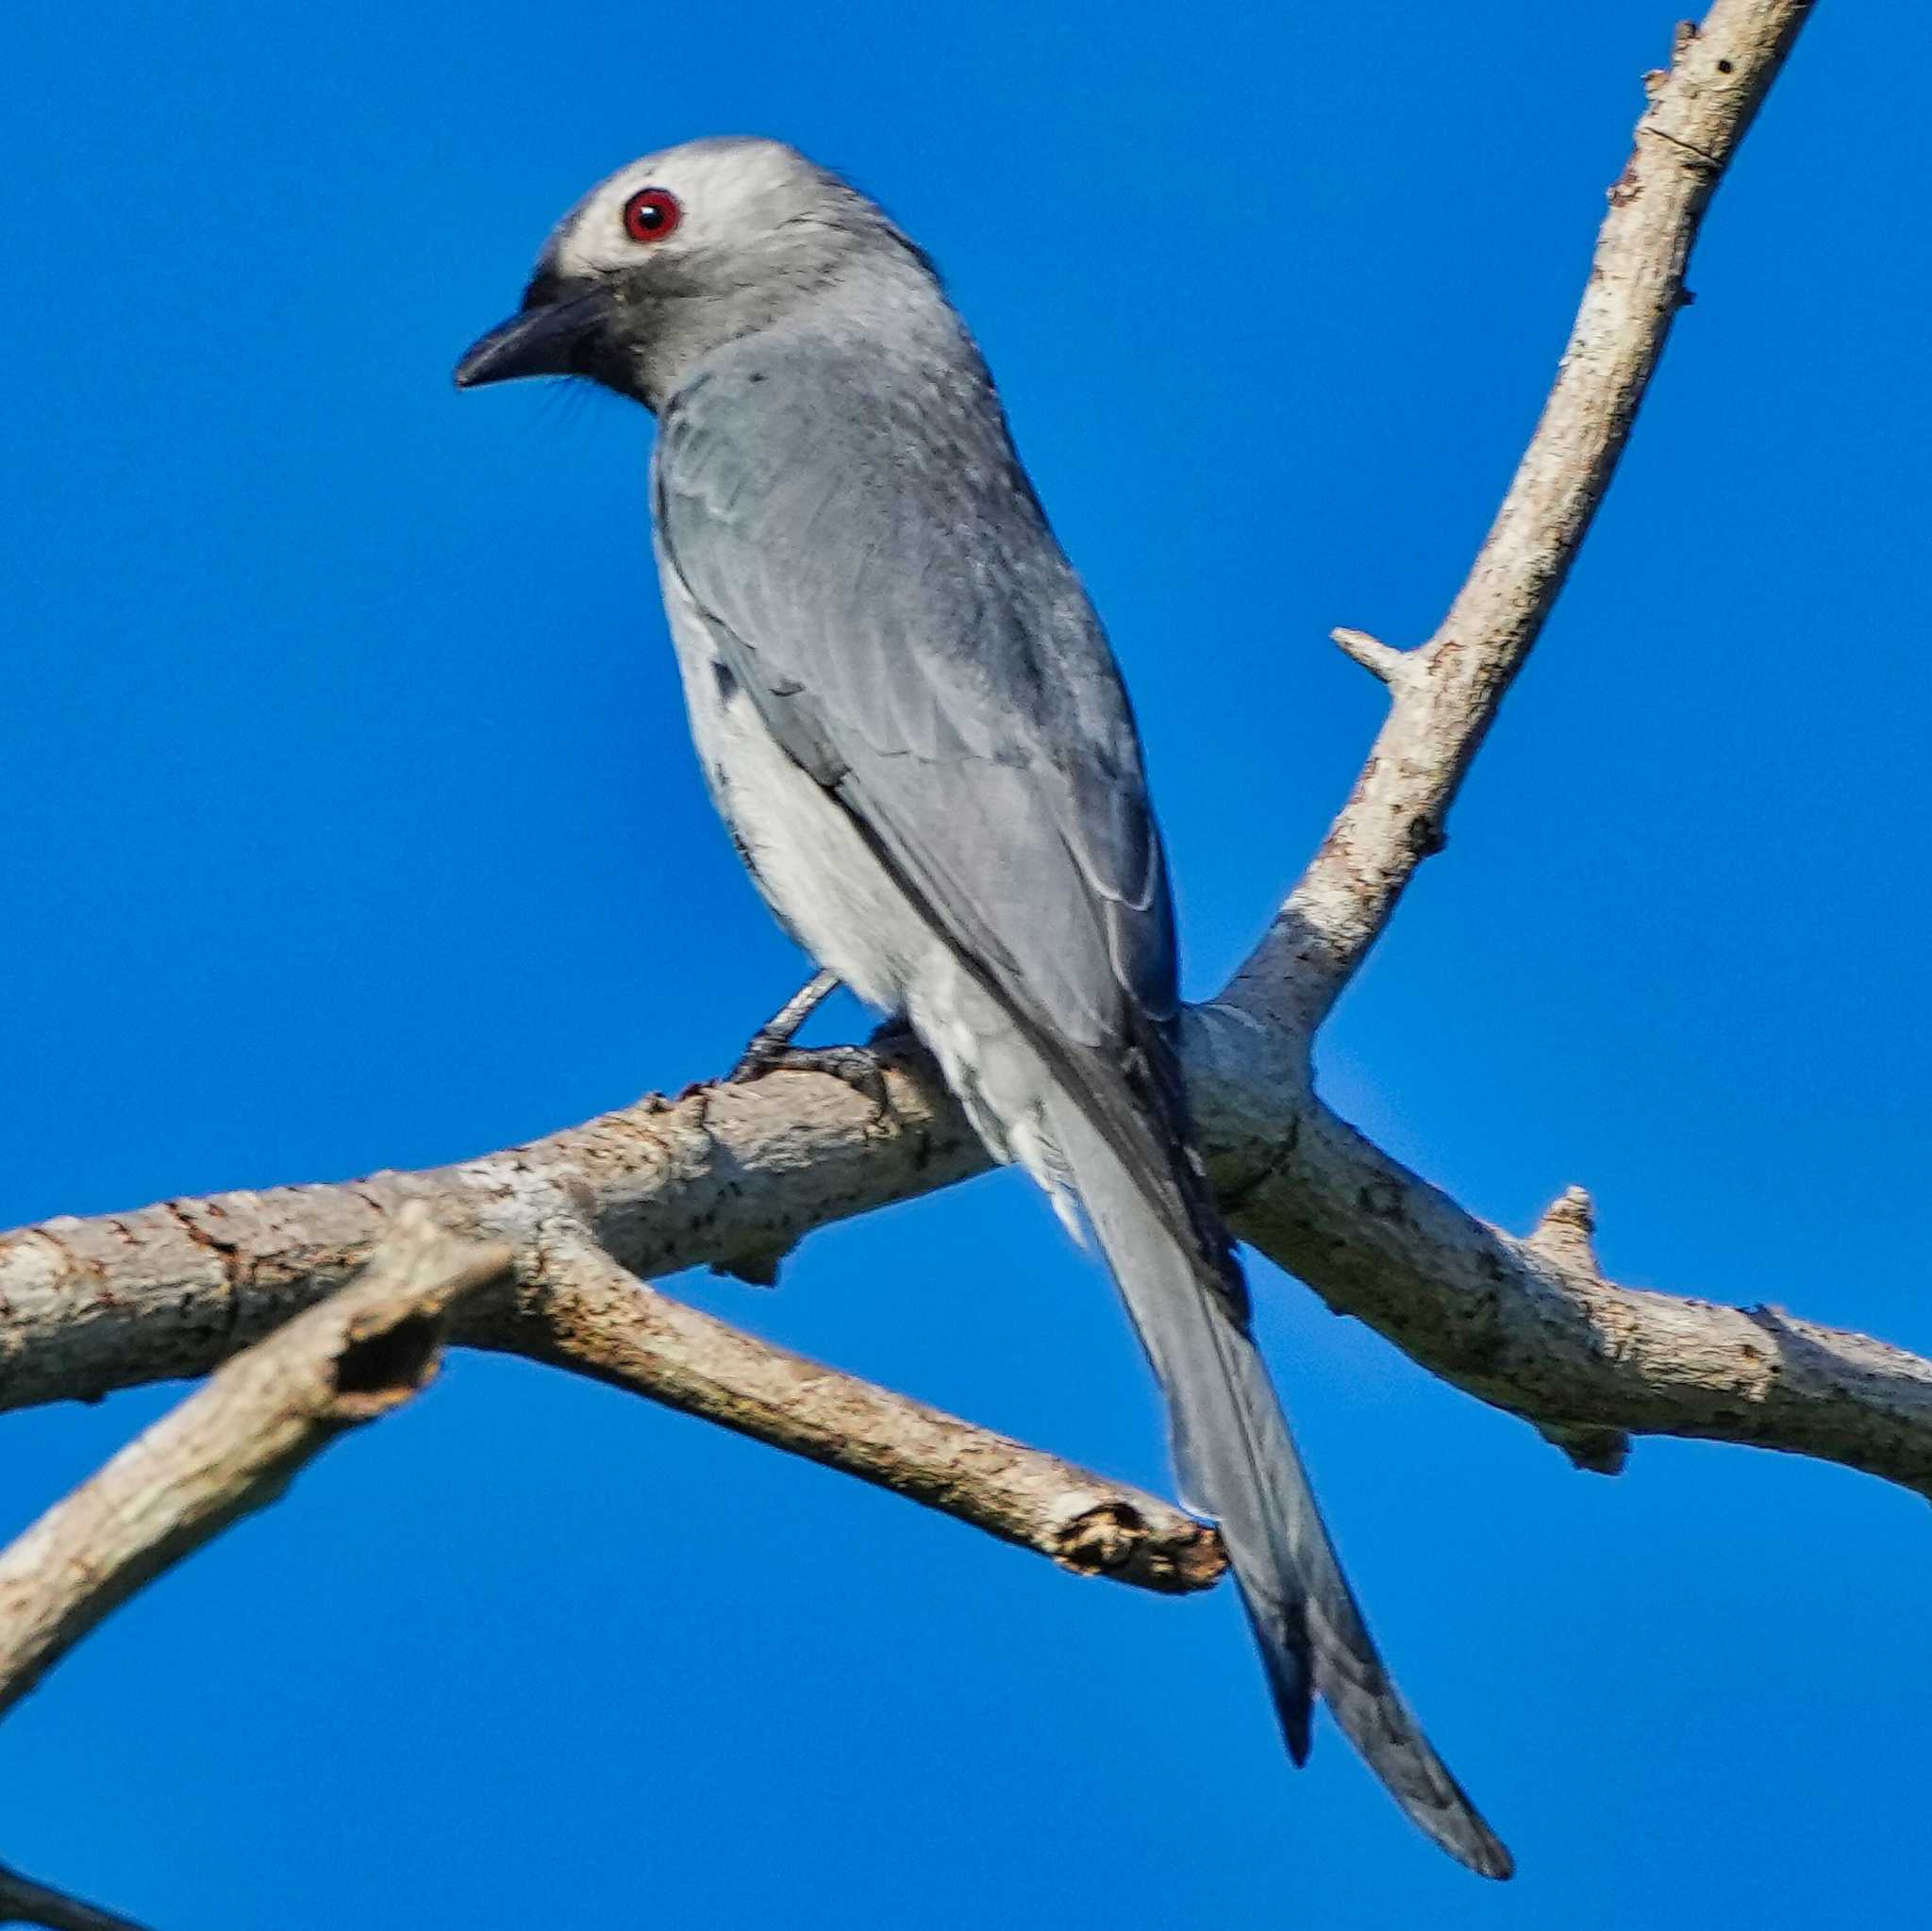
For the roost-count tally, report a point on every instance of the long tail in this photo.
(1236, 1463)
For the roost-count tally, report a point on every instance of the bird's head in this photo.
(677, 254)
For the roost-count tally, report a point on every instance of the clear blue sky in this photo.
(348, 821)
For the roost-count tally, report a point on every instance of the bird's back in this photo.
(859, 527)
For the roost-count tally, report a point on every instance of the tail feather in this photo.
(1238, 1464)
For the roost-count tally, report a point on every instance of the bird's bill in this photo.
(548, 337)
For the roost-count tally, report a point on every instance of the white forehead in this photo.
(729, 189)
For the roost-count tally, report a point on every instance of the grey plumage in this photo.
(909, 715)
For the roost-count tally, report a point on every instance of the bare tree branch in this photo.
(233, 1445)
(1533, 1325)
(1444, 696)
(172, 1290)
(587, 1314)
(733, 1176)
(23, 1902)
(726, 1175)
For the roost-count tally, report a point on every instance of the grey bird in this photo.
(911, 721)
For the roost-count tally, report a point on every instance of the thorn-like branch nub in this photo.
(1378, 658)
(1567, 1231)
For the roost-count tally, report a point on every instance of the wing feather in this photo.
(887, 589)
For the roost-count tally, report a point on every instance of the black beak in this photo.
(555, 333)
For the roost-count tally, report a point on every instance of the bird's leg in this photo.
(770, 1049)
(769, 1046)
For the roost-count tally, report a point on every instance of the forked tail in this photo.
(1238, 1464)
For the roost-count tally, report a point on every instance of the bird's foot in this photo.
(770, 1045)
(855, 1066)
(770, 1049)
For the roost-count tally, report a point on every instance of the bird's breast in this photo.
(802, 850)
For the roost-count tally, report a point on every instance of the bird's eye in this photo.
(651, 214)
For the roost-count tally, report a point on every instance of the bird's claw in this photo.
(855, 1066)
(767, 1048)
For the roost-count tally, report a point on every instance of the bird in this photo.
(911, 721)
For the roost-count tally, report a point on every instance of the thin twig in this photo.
(587, 1314)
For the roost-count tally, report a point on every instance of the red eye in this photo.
(651, 214)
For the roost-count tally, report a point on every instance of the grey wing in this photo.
(873, 559)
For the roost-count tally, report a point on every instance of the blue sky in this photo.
(348, 821)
